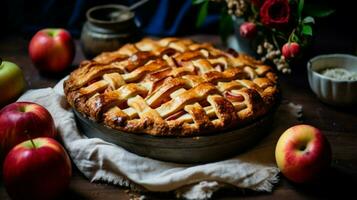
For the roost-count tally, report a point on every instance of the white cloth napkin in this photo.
(102, 161)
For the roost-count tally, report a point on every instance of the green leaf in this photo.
(300, 8)
(225, 26)
(202, 14)
(308, 20)
(198, 1)
(318, 10)
(306, 30)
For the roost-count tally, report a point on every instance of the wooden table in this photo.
(339, 125)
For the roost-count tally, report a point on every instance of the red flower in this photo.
(275, 12)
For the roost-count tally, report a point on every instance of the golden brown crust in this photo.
(172, 87)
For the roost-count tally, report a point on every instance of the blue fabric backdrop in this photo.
(157, 17)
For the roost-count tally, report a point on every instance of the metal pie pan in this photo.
(198, 149)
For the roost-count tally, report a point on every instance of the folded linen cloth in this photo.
(99, 160)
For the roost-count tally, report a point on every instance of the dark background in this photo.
(334, 34)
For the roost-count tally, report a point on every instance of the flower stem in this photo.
(275, 42)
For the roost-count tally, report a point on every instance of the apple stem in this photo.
(33, 144)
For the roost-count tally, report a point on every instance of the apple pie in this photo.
(172, 87)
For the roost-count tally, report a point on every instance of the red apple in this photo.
(12, 82)
(21, 121)
(52, 50)
(37, 169)
(303, 153)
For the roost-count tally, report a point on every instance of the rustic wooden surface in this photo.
(338, 124)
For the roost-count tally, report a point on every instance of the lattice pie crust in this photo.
(172, 87)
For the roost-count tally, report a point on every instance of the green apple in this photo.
(12, 82)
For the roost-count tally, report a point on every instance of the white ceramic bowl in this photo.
(328, 90)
